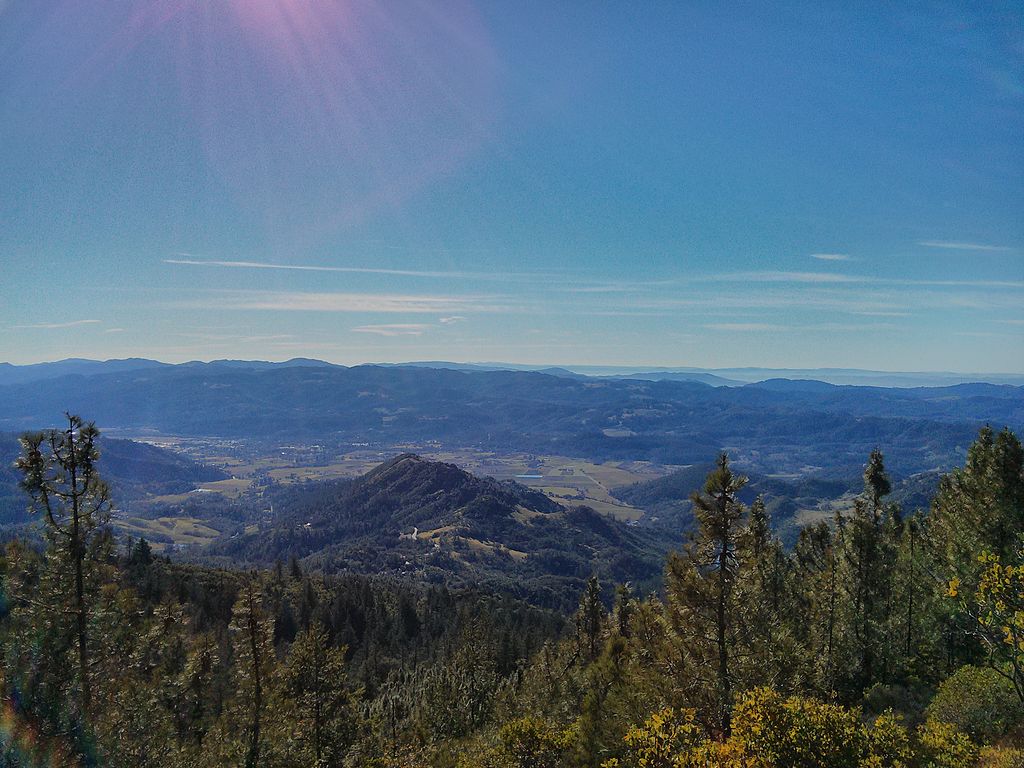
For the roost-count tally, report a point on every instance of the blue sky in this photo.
(706, 184)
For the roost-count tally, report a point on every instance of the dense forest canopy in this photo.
(882, 639)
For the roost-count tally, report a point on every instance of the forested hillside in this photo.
(437, 523)
(882, 639)
(134, 469)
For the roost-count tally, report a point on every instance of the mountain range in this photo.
(19, 374)
(774, 426)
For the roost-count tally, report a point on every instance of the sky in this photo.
(609, 183)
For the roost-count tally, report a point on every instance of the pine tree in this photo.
(325, 711)
(701, 584)
(60, 475)
(816, 611)
(978, 508)
(765, 596)
(868, 546)
(254, 661)
(589, 621)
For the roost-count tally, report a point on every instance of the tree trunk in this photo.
(252, 760)
(723, 646)
(78, 556)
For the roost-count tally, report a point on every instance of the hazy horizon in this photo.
(752, 372)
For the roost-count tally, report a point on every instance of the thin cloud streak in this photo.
(72, 324)
(393, 329)
(842, 278)
(348, 270)
(745, 327)
(296, 301)
(954, 245)
(832, 256)
(791, 277)
(825, 327)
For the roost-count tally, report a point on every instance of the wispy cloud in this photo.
(746, 327)
(621, 286)
(450, 274)
(71, 324)
(451, 320)
(956, 245)
(826, 327)
(298, 301)
(842, 278)
(791, 277)
(237, 338)
(394, 329)
(832, 256)
(114, 330)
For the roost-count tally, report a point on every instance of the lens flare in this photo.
(22, 744)
(313, 114)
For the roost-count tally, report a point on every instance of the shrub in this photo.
(910, 700)
(943, 746)
(531, 742)
(1001, 757)
(797, 732)
(662, 741)
(888, 743)
(978, 701)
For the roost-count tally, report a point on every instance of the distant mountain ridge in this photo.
(778, 426)
(410, 515)
(15, 374)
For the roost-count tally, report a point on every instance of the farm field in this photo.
(165, 532)
(565, 479)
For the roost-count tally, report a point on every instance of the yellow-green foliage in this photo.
(1001, 757)
(888, 744)
(797, 731)
(1000, 600)
(772, 731)
(943, 746)
(531, 742)
(663, 741)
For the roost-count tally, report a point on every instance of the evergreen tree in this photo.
(817, 604)
(254, 661)
(867, 543)
(978, 508)
(589, 620)
(325, 711)
(60, 476)
(700, 585)
(765, 596)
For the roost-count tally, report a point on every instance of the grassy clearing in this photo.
(164, 531)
